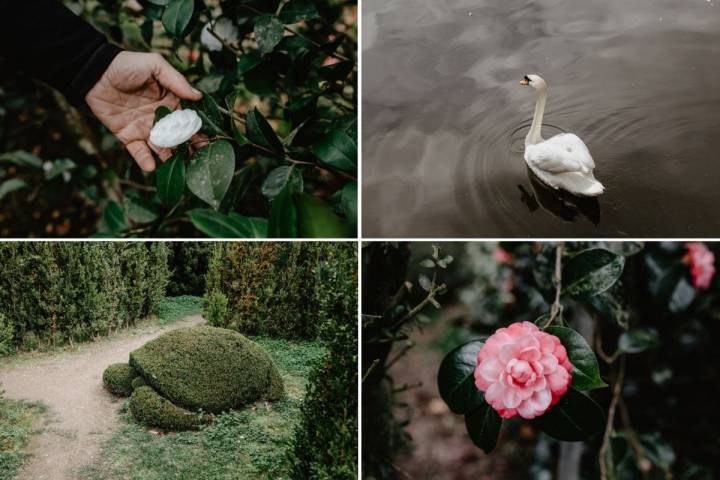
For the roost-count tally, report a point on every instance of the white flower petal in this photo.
(175, 128)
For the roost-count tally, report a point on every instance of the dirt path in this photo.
(81, 413)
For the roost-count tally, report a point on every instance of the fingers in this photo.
(173, 80)
(163, 153)
(141, 153)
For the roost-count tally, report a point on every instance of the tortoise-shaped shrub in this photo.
(176, 378)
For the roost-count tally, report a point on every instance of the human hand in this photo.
(127, 95)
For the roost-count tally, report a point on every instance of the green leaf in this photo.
(10, 186)
(317, 220)
(283, 215)
(210, 172)
(279, 178)
(592, 272)
(296, 11)
(114, 217)
(247, 62)
(586, 373)
(209, 112)
(682, 296)
(483, 425)
(58, 167)
(638, 340)
(347, 199)
(456, 378)
(217, 225)
(659, 451)
(337, 71)
(161, 112)
(259, 131)
(574, 418)
(177, 15)
(139, 211)
(268, 33)
(170, 179)
(337, 150)
(22, 158)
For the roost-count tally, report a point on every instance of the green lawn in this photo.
(252, 443)
(16, 426)
(172, 309)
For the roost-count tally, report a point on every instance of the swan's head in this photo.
(534, 81)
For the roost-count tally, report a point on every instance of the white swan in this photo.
(562, 161)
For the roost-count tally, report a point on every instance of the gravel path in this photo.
(81, 414)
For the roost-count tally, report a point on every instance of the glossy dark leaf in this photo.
(682, 296)
(268, 33)
(337, 150)
(283, 221)
(114, 217)
(297, 10)
(259, 131)
(11, 185)
(638, 340)
(212, 119)
(160, 112)
(483, 424)
(247, 62)
(337, 71)
(576, 417)
(210, 172)
(348, 201)
(138, 210)
(177, 16)
(170, 179)
(456, 378)
(316, 219)
(591, 272)
(586, 373)
(22, 158)
(217, 225)
(279, 178)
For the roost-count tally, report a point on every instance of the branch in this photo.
(434, 290)
(556, 308)
(617, 389)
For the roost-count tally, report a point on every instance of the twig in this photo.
(644, 465)
(375, 363)
(420, 306)
(556, 308)
(231, 114)
(235, 51)
(399, 355)
(617, 389)
(136, 186)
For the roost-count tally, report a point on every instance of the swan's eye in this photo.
(527, 79)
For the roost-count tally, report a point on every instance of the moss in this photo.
(118, 379)
(151, 409)
(207, 368)
(138, 382)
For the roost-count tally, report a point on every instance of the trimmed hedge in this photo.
(273, 288)
(52, 292)
(153, 410)
(119, 379)
(207, 368)
(325, 444)
(188, 264)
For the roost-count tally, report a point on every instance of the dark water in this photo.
(444, 118)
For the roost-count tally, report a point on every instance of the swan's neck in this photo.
(533, 135)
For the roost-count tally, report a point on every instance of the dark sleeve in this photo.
(49, 42)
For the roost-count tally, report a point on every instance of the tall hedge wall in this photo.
(52, 292)
(188, 265)
(273, 288)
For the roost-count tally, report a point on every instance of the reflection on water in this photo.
(444, 118)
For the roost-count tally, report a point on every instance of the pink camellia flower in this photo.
(500, 255)
(702, 264)
(522, 370)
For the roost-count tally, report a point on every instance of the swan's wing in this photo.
(550, 158)
(571, 143)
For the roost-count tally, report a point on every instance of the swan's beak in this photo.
(525, 82)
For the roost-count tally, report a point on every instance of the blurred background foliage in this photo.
(290, 65)
(654, 333)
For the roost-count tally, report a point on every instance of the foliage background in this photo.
(652, 325)
(280, 103)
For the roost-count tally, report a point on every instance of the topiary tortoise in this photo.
(175, 379)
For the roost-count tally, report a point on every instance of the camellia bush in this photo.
(278, 114)
(604, 346)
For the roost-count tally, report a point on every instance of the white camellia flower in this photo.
(223, 28)
(175, 128)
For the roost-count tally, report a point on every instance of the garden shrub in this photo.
(188, 263)
(6, 336)
(207, 368)
(274, 288)
(53, 292)
(138, 382)
(153, 410)
(119, 378)
(215, 309)
(325, 444)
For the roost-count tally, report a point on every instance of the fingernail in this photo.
(196, 91)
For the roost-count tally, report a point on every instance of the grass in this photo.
(248, 444)
(16, 426)
(172, 309)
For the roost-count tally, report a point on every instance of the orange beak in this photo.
(524, 82)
